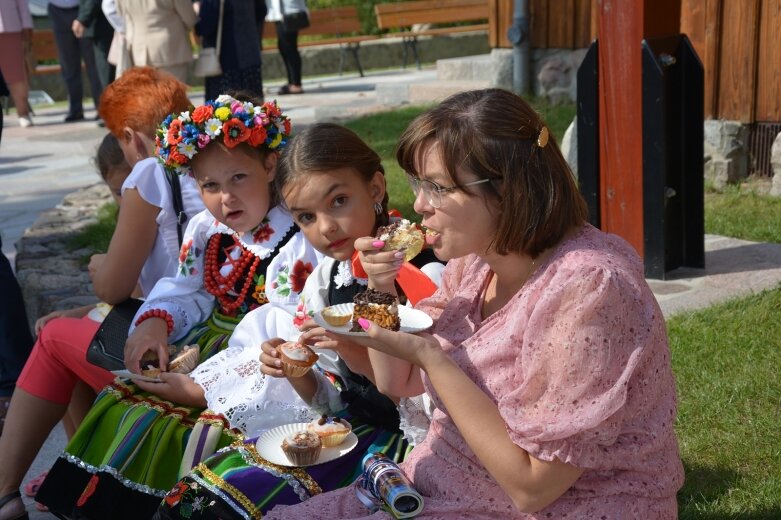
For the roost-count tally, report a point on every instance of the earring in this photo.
(378, 208)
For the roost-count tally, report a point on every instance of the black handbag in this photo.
(294, 22)
(107, 348)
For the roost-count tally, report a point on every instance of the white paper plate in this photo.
(131, 375)
(99, 312)
(412, 320)
(269, 445)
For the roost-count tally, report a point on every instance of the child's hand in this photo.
(178, 388)
(270, 363)
(381, 266)
(151, 334)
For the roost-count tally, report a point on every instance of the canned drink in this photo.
(383, 479)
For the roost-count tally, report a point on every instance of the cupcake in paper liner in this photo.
(296, 358)
(331, 430)
(302, 448)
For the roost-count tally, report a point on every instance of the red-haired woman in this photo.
(143, 249)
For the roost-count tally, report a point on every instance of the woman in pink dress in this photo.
(548, 361)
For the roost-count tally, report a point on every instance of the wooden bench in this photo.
(338, 25)
(405, 15)
(45, 49)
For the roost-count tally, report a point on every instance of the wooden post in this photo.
(622, 26)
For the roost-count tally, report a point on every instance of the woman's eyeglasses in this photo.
(434, 191)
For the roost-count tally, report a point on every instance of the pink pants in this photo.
(59, 360)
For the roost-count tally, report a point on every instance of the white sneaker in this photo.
(25, 121)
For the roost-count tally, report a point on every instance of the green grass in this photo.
(726, 361)
(96, 236)
(740, 212)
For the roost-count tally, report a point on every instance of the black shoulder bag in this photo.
(107, 348)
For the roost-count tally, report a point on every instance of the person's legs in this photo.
(287, 42)
(179, 71)
(15, 338)
(90, 63)
(19, 92)
(81, 401)
(105, 69)
(68, 48)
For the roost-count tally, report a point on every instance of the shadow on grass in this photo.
(706, 485)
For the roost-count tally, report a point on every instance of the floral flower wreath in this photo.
(181, 136)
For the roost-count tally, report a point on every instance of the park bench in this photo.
(45, 49)
(338, 25)
(405, 16)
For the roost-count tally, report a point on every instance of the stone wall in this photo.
(53, 276)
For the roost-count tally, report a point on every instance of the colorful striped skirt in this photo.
(237, 483)
(129, 450)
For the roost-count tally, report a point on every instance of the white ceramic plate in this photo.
(412, 320)
(131, 375)
(269, 445)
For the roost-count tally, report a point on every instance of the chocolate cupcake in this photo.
(302, 447)
(377, 306)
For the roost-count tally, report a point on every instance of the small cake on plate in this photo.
(377, 306)
(302, 447)
(333, 316)
(331, 430)
(404, 235)
(296, 358)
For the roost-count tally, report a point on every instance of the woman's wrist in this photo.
(159, 314)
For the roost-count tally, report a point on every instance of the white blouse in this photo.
(148, 178)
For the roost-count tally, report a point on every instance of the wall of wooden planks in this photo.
(734, 39)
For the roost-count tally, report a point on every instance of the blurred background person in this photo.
(242, 32)
(92, 24)
(72, 51)
(157, 33)
(16, 30)
(287, 39)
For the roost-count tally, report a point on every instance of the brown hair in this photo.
(109, 156)
(140, 99)
(493, 133)
(327, 147)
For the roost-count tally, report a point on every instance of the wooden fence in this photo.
(734, 39)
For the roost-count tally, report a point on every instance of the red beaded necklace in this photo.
(219, 285)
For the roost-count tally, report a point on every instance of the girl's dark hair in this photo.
(327, 147)
(108, 156)
(493, 134)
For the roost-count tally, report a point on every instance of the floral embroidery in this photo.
(185, 495)
(187, 256)
(288, 281)
(89, 490)
(176, 494)
(259, 294)
(301, 314)
(263, 232)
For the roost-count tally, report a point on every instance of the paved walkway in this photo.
(39, 165)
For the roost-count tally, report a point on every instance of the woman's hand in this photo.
(270, 363)
(381, 266)
(152, 335)
(352, 353)
(420, 349)
(78, 312)
(178, 388)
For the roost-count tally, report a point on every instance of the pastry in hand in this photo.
(296, 358)
(331, 430)
(150, 364)
(334, 317)
(302, 448)
(380, 307)
(404, 235)
(186, 360)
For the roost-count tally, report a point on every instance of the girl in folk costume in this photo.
(334, 186)
(244, 252)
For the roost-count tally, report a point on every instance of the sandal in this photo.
(13, 496)
(33, 485)
(5, 402)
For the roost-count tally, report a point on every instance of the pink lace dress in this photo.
(579, 367)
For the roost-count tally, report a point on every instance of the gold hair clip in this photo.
(542, 139)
